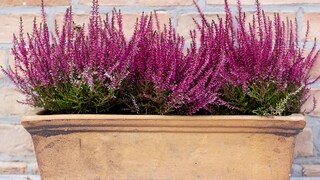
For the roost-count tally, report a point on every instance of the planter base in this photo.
(85, 149)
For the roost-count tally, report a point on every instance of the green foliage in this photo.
(68, 98)
(145, 98)
(261, 99)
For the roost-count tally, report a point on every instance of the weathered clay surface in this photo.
(148, 148)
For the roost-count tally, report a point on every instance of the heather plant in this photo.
(72, 71)
(99, 71)
(229, 68)
(166, 80)
(265, 71)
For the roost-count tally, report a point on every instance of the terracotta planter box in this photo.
(133, 147)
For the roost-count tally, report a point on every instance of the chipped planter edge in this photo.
(47, 125)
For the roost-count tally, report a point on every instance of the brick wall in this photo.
(16, 151)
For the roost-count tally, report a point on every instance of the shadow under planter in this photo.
(164, 147)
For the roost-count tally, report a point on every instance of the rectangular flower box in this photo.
(164, 147)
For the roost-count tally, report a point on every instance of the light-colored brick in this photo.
(296, 170)
(32, 168)
(304, 143)
(109, 2)
(314, 21)
(9, 24)
(311, 170)
(315, 71)
(9, 104)
(267, 2)
(79, 19)
(2, 62)
(309, 104)
(164, 2)
(34, 2)
(11, 61)
(13, 168)
(283, 16)
(129, 21)
(139, 2)
(15, 141)
(185, 23)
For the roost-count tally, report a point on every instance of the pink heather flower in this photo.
(98, 58)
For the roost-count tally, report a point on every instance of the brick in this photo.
(296, 170)
(139, 2)
(309, 104)
(164, 2)
(315, 70)
(263, 2)
(11, 61)
(79, 19)
(9, 24)
(32, 168)
(304, 143)
(108, 2)
(311, 170)
(218, 2)
(314, 21)
(283, 17)
(2, 62)
(13, 168)
(185, 23)
(34, 2)
(15, 141)
(129, 21)
(9, 104)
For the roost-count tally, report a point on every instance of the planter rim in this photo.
(48, 125)
(32, 118)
